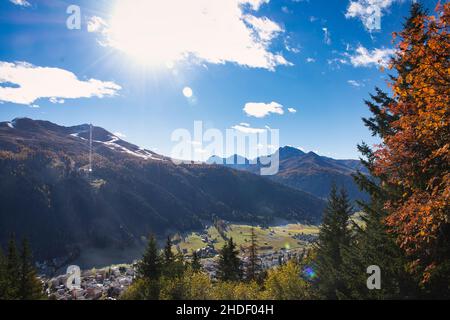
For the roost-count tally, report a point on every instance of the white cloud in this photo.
(293, 50)
(33, 82)
(286, 10)
(260, 109)
(56, 100)
(97, 24)
(326, 36)
(355, 83)
(265, 28)
(248, 130)
(365, 58)
(216, 32)
(254, 4)
(289, 47)
(310, 60)
(337, 61)
(23, 3)
(367, 11)
(292, 110)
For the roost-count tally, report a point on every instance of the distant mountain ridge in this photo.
(48, 196)
(308, 172)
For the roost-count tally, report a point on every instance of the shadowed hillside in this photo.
(48, 196)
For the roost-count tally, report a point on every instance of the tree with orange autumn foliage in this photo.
(413, 160)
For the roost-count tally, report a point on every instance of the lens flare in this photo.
(187, 92)
(309, 273)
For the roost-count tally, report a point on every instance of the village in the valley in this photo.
(276, 246)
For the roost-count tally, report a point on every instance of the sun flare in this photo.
(165, 32)
(137, 29)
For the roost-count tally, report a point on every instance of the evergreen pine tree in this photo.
(178, 265)
(168, 254)
(30, 287)
(172, 265)
(253, 266)
(3, 278)
(229, 266)
(334, 236)
(373, 244)
(150, 267)
(12, 271)
(195, 263)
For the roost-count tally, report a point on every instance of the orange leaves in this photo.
(415, 159)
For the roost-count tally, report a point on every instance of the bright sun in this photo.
(143, 33)
(163, 32)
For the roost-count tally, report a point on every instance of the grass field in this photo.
(269, 239)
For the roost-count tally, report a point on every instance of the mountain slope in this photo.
(48, 196)
(308, 172)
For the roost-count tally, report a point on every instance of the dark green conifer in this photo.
(168, 254)
(150, 267)
(30, 287)
(3, 278)
(12, 270)
(373, 244)
(229, 266)
(334, 236)
(253, 266)
(195, 263)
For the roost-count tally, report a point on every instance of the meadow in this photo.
(272, 238)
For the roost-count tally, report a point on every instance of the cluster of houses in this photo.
(95, 284)
(309, 238)
(210, 267)
(268, 257)
(207, 252)
(269, 260)
(111, 282)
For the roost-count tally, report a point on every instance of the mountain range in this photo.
(307, 172)
(49, 195)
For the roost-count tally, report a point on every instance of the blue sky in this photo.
(300, 66)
